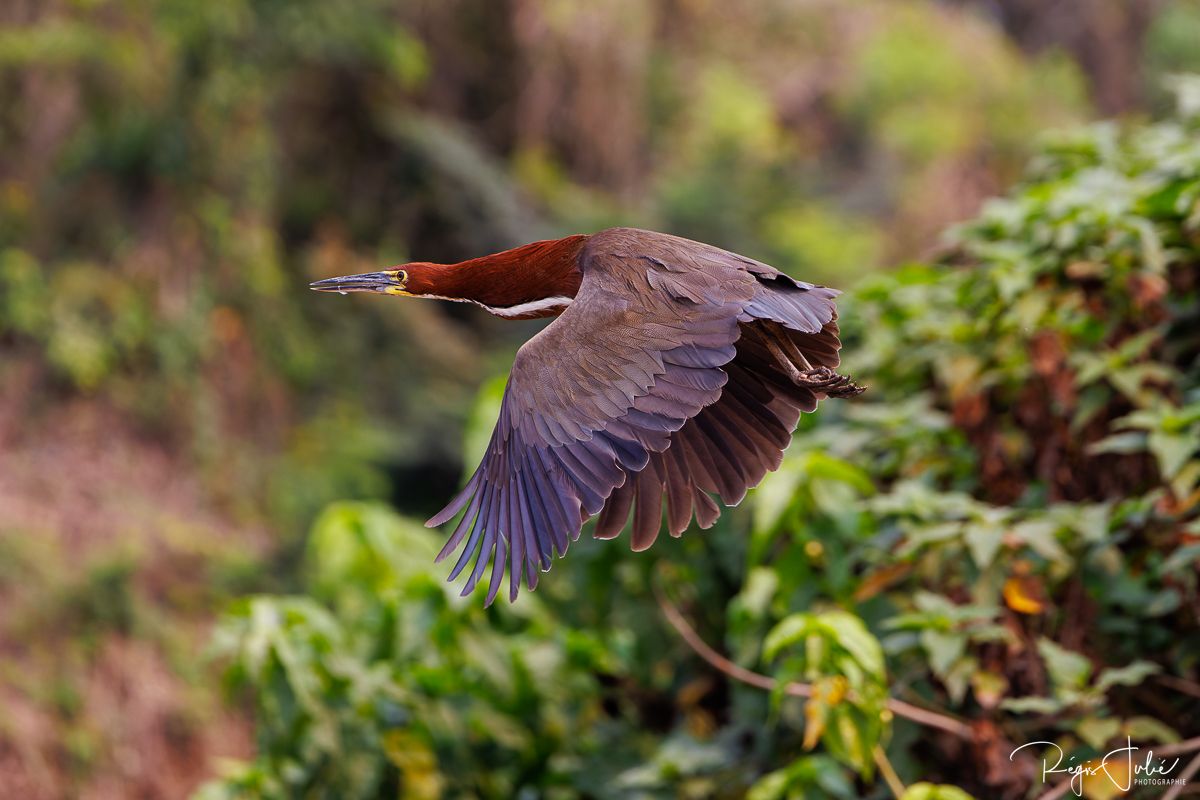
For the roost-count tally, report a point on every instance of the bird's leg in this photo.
(789, 347)
(805, 378)
(821, 379)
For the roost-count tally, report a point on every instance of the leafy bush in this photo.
(1014, 509)
(1003, 531)
(384, 676)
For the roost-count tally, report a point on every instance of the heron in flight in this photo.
(674, 370)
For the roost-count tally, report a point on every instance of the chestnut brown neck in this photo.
(534, 280)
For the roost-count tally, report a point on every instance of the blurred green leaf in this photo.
(929, 791)
(1066, 668)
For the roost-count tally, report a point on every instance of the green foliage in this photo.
(928, 99)
(928, 791)
(1023, 470)
(178, 206)
(1059, 373)
(1026, 459)
(1169, 48)
(384, 681)
(915, 90)
(808, 776)
(843, 662)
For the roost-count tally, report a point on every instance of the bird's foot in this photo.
(828, 382)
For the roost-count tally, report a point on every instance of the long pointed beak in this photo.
(387, 282)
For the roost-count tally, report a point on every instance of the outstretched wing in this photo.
(731, 444)
(591, 397)
(788, 329)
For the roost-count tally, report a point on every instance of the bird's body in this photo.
(674, 370)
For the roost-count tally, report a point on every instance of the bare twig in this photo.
(739, 673)
(1178, 749)
(931, 719)
(888, 772)
(1188, 772)
(719, 661)
(900, 708)
(1179, 684)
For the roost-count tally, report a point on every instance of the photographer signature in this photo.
(1122, 757)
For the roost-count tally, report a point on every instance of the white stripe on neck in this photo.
(530, 308)
(511, 311)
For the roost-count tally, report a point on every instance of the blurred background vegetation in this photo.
(210, 574)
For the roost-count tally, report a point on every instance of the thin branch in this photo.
(1179, 684)
(719, 661)
(900, 708)
(888, 772)
(794, 688)
(1178, 749)
(1185, 776)
(931, 719)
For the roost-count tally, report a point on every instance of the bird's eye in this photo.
(402, 276)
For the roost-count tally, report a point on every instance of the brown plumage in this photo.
(675, 371)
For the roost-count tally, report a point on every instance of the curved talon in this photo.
(819, 377)
(850, 389)
(829, 382)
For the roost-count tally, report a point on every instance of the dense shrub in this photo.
(1014, 509)
(1004, 530)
